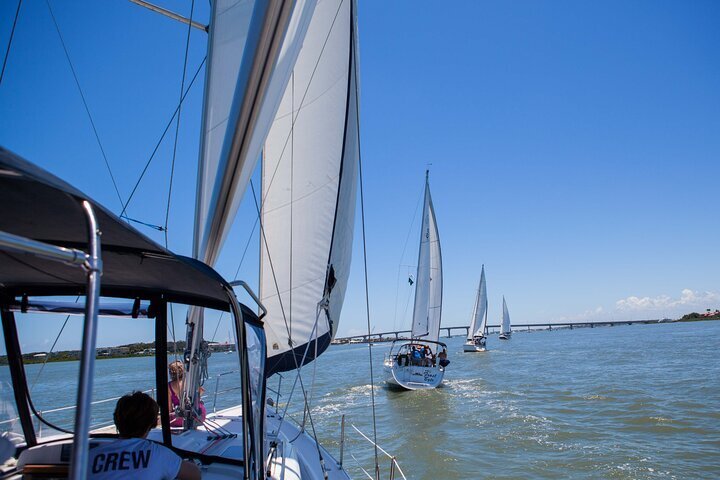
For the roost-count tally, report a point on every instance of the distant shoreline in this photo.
(135, 350)
(139, 350)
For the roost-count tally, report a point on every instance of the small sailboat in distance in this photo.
(420, 363)
(477, 333)
(505, 331)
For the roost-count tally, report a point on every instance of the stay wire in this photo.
(367, 307)
(367, 289)
(177, 121)
(157, 146)
(302, 100)
(85, 104)
(263, 240)
(12, 34)
(402, 256)
(237, 272)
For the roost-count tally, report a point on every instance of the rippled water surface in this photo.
(639, 401)
(626, 402)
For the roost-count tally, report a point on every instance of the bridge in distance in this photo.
(405, 334)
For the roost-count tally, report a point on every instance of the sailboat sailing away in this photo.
(277, 73)
(420, 363)
(505, 331)
(477, 333)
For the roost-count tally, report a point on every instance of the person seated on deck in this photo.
(427, 353)
(444, 362)
(132, 455)
(416, 356)
(176, 371)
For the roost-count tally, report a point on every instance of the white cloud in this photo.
(688, 299)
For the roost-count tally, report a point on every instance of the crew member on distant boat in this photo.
(133, 456)
(442, 358)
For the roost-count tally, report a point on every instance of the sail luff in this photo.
(436, 280)
(420, 305)
(309, 185)
(249, 65)
(427, 309)
(481, 314)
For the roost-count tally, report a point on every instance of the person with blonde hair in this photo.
(176, 371)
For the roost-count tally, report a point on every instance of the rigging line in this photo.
(134, 220)
(85, 104)
(177, 122)
(47, 357)
(272, 178)
(280, 302)
(306, 405)
(12, 34)
(162, 137)
(367, 290)
(292, 172)
(172, 332)
(302, 100)
(277, 289)
(237, 272)
(402, 255)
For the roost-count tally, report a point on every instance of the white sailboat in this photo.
(477, 333)
(420, 363)
(505, 330)
(277, 73)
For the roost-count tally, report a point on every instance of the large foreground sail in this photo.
(479, 318)
(243, 88)
(428, 290)
(309, 182)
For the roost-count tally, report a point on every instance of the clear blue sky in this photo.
(575, 146)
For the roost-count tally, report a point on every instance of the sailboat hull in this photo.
(504, 336)
(413, 377)
(471, 347)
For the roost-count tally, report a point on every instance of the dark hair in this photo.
(135, 414)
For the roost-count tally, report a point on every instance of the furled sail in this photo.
(479, 318)
(505, 326)
(309, 178)
(428, 286)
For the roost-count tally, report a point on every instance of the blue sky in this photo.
(574, 146)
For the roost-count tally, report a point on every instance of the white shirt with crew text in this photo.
(136, 457)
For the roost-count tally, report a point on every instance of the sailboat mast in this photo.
(414, 333)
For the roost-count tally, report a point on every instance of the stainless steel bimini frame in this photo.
(92, 264)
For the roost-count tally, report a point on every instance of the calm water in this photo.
(629, 402)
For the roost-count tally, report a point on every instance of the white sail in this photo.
(309, 172)
(505, 326)
(238, 111)
(428, 286)
(252, 47)
(479, 317)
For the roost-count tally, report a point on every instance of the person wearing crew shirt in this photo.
(132, 455)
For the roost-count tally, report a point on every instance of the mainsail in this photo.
(428, 286)
(505, 326)
(309, 178)
(479, 318)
